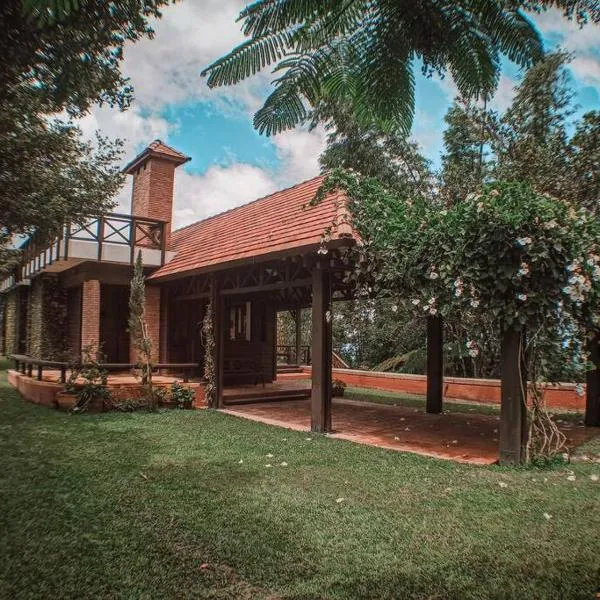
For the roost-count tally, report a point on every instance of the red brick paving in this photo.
(469, 438)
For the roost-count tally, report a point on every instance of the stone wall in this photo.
(10, 321)
(47, 319)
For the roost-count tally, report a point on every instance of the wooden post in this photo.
(435, 365)
(298, 319)
(218, 330)
(321, 350)
(513, 409)
(592, 400)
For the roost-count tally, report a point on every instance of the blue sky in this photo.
(231, 164)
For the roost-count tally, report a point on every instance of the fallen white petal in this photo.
(340, 500)
(547, 516)
(502, 484)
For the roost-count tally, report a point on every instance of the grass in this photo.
(181, 504)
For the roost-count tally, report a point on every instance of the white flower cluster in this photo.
(581, 279)
(524, 270)
(433, 274)
(459, 288)
(430, 308)
(472, 348)
(524, 241)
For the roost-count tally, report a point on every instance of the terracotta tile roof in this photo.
(158, 149)
(276, 223)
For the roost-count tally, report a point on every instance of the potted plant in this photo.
(337, 388)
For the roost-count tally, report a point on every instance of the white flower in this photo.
(547, 516)
(473, 352)
(502, 484)
(433, 275)
(571, 478)
(339, 500)
(579, 389)
(432, 311)
(474, 302)
(524, 241)
(522, 297)
(524, 270)
(322, 250)
(480, 207)
(394, 308)
(416, 301)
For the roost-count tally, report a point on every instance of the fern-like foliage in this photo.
(363, 53)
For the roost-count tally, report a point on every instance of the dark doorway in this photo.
(114, 310)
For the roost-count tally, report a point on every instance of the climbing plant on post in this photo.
(138, 329)
(528, 261)
(208, 332)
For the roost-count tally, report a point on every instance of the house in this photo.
(276, 253)
(236, 269)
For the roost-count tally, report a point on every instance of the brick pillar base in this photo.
(90, 314)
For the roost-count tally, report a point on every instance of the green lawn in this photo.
(134, 505)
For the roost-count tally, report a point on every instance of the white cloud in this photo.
(217, 190)
(581, 41)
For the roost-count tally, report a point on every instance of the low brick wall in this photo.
(47, 392)
(487, 391)
(38, 392)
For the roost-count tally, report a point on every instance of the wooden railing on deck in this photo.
(25, 365)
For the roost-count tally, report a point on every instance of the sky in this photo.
(231, 163)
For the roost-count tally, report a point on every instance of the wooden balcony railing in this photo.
(114, 237)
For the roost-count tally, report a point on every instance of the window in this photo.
(239, 322)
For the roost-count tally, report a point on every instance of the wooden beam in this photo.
(435, 365)
(513, 409)
(321, 350)
(592, 399)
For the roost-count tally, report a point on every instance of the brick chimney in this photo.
(153, 173)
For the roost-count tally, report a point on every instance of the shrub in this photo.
(183, 396)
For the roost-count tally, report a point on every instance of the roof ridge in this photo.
(158, 141)
(229, 210)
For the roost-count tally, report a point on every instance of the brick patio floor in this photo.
(469, 438)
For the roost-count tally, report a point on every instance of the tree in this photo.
(363, 54)
(138, 329)
(48, 172)
(465, 164)
(390, 157)
(530, 142)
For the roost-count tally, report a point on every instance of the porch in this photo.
(463, 437)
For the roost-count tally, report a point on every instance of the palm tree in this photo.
(364, 52)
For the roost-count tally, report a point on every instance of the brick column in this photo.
(152, 316)
(90, 313)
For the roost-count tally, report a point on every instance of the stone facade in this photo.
(10, 321)
(47, 319)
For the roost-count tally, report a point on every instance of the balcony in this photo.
(114, 238)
